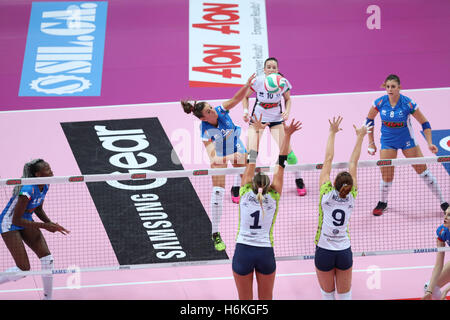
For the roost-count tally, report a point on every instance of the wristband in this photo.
(281, 160)
(426, 125)
(370, 122)
(245, 111)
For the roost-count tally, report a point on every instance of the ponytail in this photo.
(343, 183)
(260, 186)
(29, 171)
(193, 107)
(345, 190)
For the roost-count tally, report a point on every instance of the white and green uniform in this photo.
(334, 217)
(267, 104)
(256, 228)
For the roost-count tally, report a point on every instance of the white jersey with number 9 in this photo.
(334, 217)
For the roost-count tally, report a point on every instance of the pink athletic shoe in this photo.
(235, 194)
(301, 189)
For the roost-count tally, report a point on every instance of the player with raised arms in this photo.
(441, 273)
(268, 104)
(397, 133)
(258, 210)
(17, 226)
(221, 138)
(333, 256)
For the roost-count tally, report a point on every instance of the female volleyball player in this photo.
(397, 133)
(17, 225)
(441, 273)
(221, 140)
(333, 257)
(258, 209)
(269, 106)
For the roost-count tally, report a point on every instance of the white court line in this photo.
(202, 279)
(212, 100)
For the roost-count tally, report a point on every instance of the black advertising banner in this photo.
(147, 221)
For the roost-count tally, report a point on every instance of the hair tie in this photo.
(260, 190)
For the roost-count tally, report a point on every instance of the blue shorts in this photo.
(248, 258)
(326, 260)
(402, 144)
(229, 148)
(7, 225)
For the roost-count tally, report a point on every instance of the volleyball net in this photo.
(160, 219)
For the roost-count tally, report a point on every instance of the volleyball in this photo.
(274, 83)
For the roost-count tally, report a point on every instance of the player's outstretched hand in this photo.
(334, 125)
(53, 227)
(363, 130)
(294, 126)
(433, 148)
(257, 123)
(250, 80)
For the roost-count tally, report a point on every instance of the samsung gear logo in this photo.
(60, 84)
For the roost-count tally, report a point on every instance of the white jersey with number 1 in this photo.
(334, 217)
(256, 227)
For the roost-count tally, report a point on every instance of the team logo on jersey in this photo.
(394, 124)
(268, 105)
(383, 112)
(339, 199)
(335, 231)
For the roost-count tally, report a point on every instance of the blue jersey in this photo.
(225, 136)
(35, 199)
(443, 234)
(396, 128)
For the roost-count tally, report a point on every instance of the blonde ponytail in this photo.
(260, 198)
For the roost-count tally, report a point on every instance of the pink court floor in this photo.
(331, 75)
(374, 277)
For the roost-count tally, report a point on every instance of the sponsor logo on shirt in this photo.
(394, 124)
